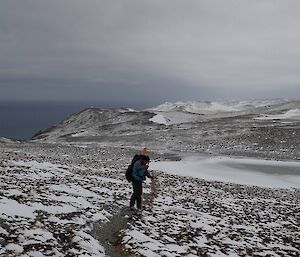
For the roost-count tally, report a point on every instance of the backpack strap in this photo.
(137, 157)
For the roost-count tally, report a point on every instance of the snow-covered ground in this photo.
(62, 192)
(51, 196)
(264, 173)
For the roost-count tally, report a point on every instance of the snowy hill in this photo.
(96, 122)
(206, 107)
(180, 112)
(251, 128)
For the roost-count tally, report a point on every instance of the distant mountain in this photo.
(180, 112)
(263, 128)
(206, 107)
(96, 123)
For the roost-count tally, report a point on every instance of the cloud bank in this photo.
(149, 51)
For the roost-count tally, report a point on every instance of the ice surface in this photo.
(265, 173)
(205, 218)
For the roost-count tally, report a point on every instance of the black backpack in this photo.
(129, 170)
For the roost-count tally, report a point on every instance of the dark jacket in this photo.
(140, 171)
(136, 158)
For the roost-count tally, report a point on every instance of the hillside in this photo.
(268, 129)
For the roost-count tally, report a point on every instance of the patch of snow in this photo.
(54, 209)
(16, 192)
(160, 119)
(3, 231)
(14, 248)
(290, 114)
(12, 208)
(73, 189)
(34, 165)
(175, 117)
(131, 110)
(38, 234)
(81, 133)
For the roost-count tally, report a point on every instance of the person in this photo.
(144, 151)
(139, 174)
(137, 157)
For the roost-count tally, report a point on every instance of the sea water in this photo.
(21, 120)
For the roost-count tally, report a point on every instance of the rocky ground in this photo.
(56, 198)
(193, 217)
(51, 195)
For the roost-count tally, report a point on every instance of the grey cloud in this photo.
(168, 49)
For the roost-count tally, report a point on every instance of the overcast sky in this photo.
(149, 51)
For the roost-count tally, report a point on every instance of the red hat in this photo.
(144, 151)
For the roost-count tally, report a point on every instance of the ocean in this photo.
(21, 120)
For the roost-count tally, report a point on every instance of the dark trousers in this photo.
(137, 194)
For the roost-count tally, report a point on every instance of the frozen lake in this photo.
(264, 173)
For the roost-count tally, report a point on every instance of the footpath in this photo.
(109, 234)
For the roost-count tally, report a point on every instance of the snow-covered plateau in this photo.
(227, 183)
